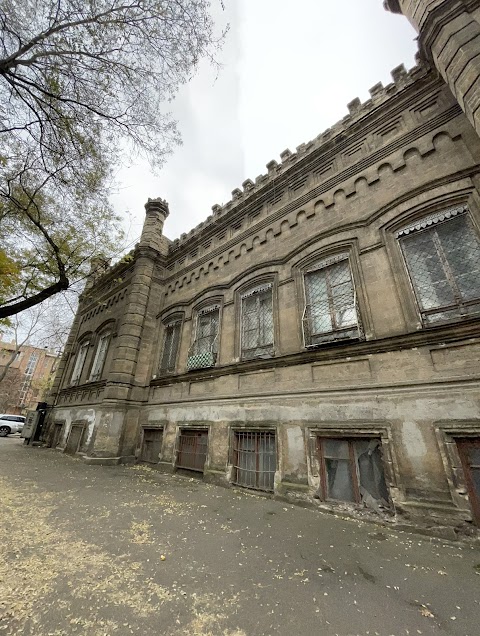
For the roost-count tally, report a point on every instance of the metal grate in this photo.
(255, 459)
(444, 266)
(257, 324)
(331, 312)
(192, 449)
(170, 347)
(152, 445)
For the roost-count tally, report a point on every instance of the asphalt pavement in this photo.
(106, 551)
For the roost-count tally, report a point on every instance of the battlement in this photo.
(357, 110)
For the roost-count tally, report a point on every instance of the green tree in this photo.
(82, 82)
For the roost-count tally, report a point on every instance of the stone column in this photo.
(449, 38)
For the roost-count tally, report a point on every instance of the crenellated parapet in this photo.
(285, 178)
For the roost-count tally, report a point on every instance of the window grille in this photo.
(192, 449)
(352, 470)
(257, 322)
(254, 459)
(100, 355)
(171, 342)
(203, 352)
(331, 309)
(79, 363)
(442, 255)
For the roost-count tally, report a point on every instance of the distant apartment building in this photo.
(27, 378)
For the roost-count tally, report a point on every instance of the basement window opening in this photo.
(192, 449)
(351, 470)
(254, 459)
(151, 445)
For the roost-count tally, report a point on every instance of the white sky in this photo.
(289, 70)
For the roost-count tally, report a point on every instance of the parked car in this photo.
(11, 424)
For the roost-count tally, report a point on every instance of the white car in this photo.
(11, 424)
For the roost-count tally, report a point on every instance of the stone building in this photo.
(318, 336)
(27, 380)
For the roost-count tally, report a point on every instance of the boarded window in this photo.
(192, 449)
(79, 363)
(255, 459)
(469, 450)
(171, 342)
(100, 355)
(257, 322)
(443, 260)
(330, 312)
(74, 439)
(151, 445)
(352, 470)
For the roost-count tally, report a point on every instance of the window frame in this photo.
(84, 345)
(353, 468)
(105, 334)
(255, 433)
(427, 222)
(205, 359)
(335, 335)
(254, 289)
(171, 321)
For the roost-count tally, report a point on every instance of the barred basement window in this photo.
(79, 363)
(100, 355)
(442, 254)
(257, 322)
(203, 352)
(254, 459)
(352, 470)
(331, 311)
(171, 342)
(192, 449)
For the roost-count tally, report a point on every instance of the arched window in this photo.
(442, 256)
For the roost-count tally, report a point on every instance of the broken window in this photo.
(79, 363)
(171, 341)
(151, 445)
(100, 355)
(352, 470)
(254, 459)
(192, 449)
(442, 253)
(330, 311)
(469, 451)
(257, 322)
(203, 352)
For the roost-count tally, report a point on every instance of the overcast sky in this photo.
(289, 68)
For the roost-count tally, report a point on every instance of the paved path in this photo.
(100, 551)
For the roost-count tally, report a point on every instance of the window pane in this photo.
(426, 270)
(257, 321)
(336, 448)
(339, 480)
(207, 330)
(462, 251)
(170, 346)
(330, 298)
(370, 468)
